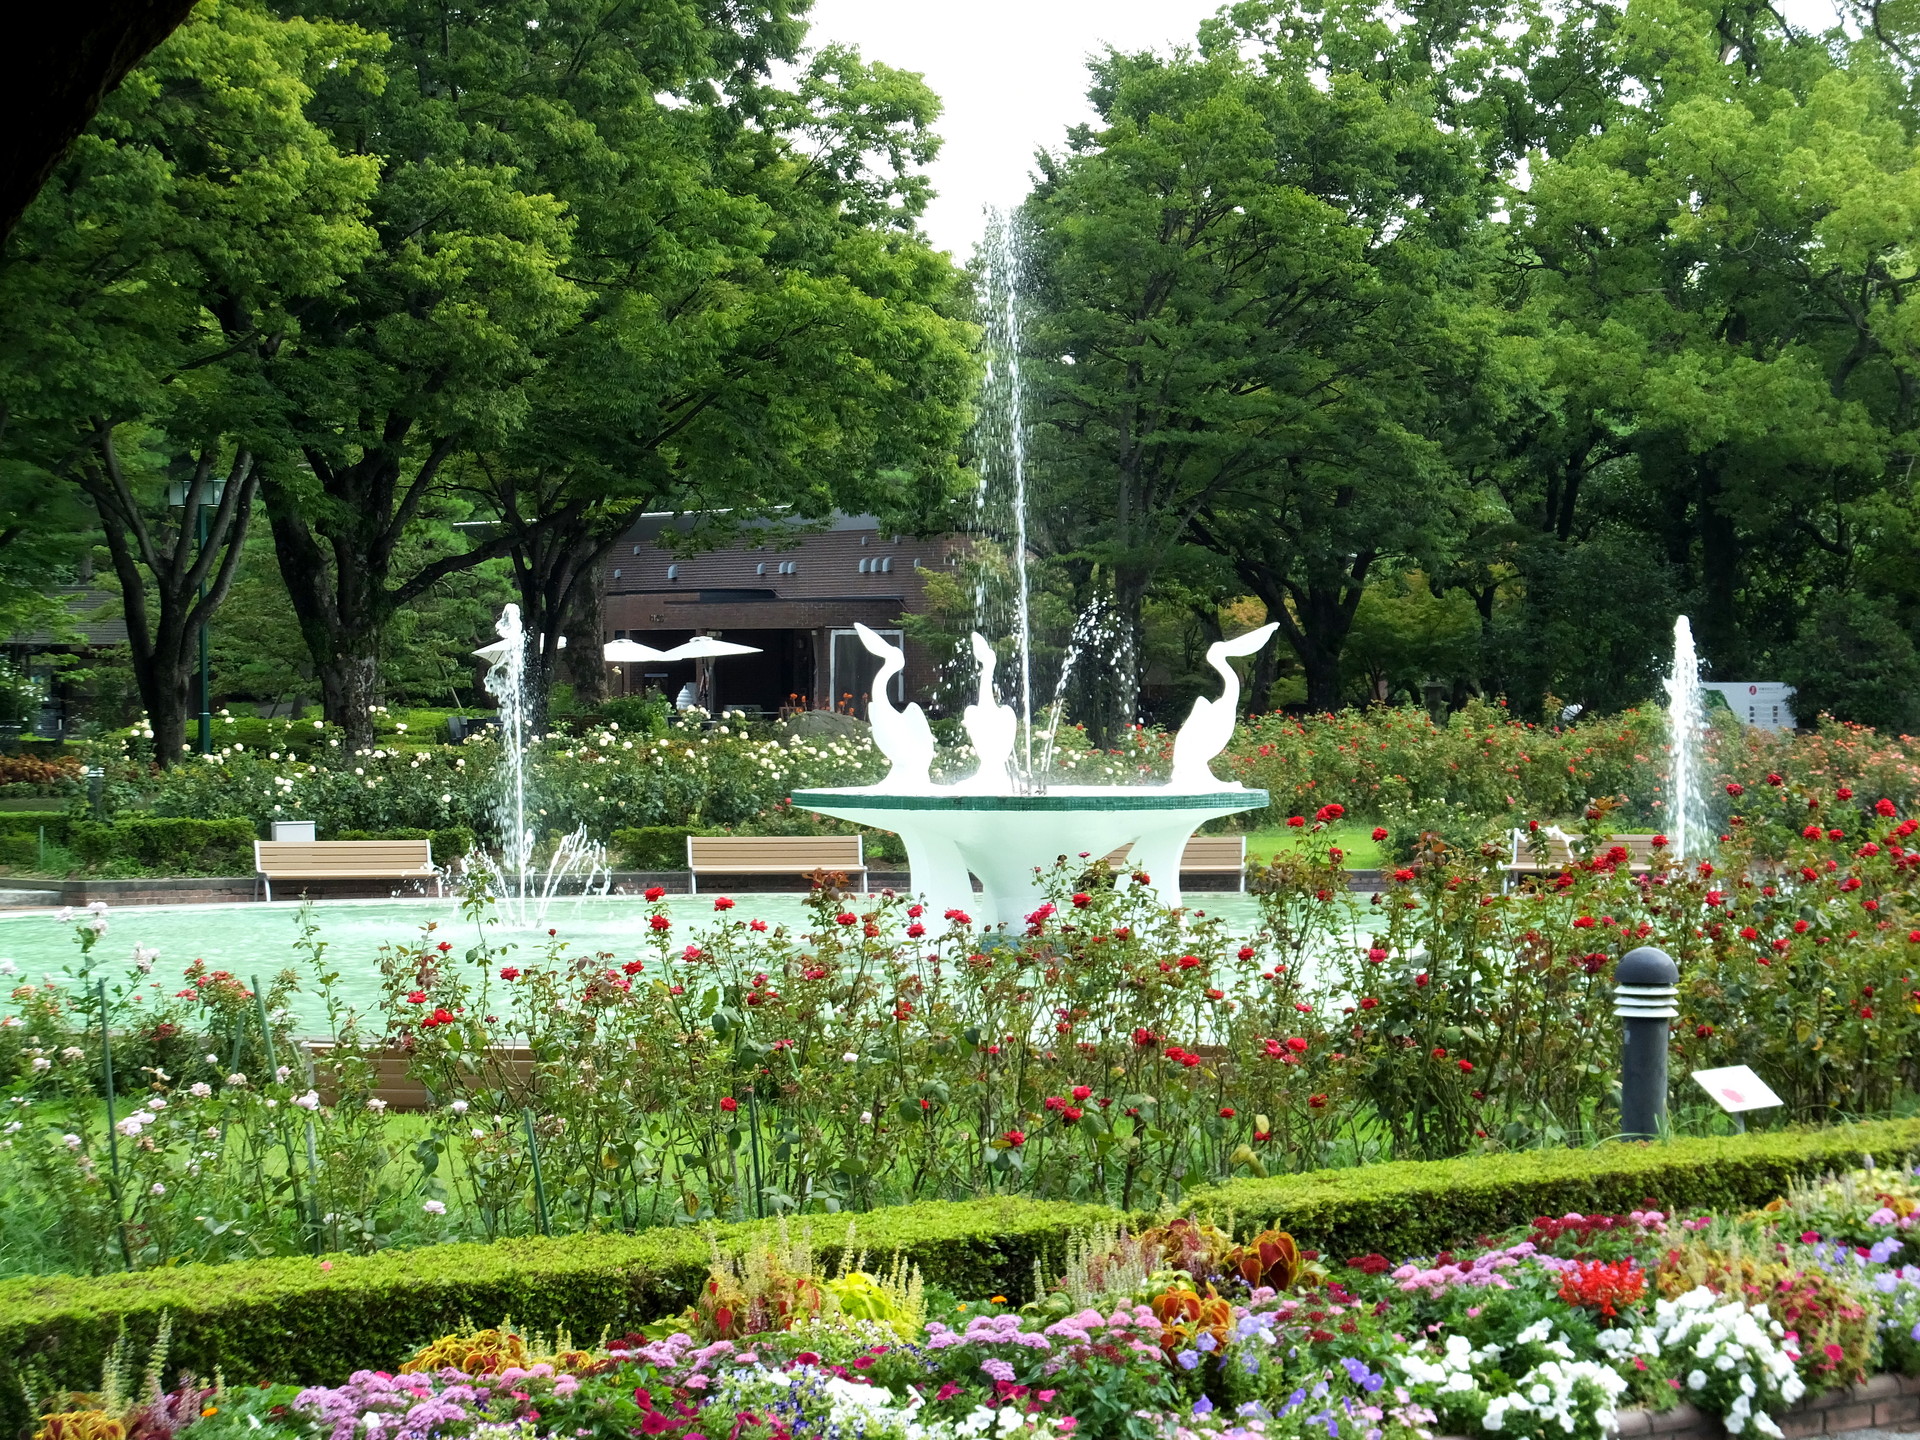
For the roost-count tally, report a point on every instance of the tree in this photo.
(143, 295)
(53, 81)
(1852, 661)
(588, 300)
(1246, 273)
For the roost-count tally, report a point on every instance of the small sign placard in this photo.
(1735, 1088)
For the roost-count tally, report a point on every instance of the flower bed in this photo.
(1177, 1330)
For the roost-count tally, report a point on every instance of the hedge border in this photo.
(315, 1320)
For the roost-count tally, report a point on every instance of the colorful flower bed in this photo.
(1110, 1051)
(1178, 1331)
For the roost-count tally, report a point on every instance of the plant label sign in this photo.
(1735, 1088)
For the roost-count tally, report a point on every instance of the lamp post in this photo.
(1645, 992)
(177, 497)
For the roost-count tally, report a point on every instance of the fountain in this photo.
(1689, 828)
(522, 889)
(1007, 824)
(1007, 833)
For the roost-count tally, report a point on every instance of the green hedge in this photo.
(208, 847)
(313, 1320)
(448, 844)
(29, 823)
(652, 847)
(1417, 1207)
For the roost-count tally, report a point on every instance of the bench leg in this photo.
(267, 882)
(693, 881)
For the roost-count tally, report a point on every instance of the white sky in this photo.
(1013, 76)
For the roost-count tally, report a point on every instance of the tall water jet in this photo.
(1002, 501)
(1689, 827)
(522, 891)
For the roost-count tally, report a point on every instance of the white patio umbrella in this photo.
(705, 647)
(618, 651)
(703, 650)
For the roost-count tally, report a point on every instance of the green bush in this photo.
(652, 847)
(1415, 1207)
(29, 823)
(310, 1320)
(639, 715)
(448, 844)
(304, 1319)
(208, 847)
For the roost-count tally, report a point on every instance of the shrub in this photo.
(215, 847)
(302, 1319)
(1413, 1207)
(652, 847)
(639, 714)
(448, 844)
(30, 823)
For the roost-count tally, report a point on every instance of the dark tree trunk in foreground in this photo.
(62, 61)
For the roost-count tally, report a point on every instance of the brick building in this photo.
(795, 596)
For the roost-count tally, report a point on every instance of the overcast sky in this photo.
(1013, 76)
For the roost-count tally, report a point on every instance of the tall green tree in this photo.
(1246, 271)
(145, 294)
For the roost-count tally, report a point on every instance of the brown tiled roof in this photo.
(852, 560)
(94, 615)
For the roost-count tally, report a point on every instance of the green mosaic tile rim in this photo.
(1225, 801)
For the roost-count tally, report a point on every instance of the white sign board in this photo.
(1735, 1088)
(1763, 704)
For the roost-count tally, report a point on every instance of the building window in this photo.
(886, 565)
(761, 568)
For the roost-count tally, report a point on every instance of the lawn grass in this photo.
(1353, 836)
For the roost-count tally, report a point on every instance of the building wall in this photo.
(785, 594)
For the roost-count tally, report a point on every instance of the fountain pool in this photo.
(258, 939)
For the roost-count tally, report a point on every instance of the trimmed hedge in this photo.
(178, 846)
(448, 844)
(28, 823)
(314, 1320)
(1417, 1207)
(652, 847)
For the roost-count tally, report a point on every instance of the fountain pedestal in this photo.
(1009, 841)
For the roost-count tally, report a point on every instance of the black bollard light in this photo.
(1645, 989)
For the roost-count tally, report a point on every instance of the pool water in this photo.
(258, 939)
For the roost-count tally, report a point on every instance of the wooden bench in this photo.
(772, 855)
(1204, 855)
(1559, 852)
(343, 860)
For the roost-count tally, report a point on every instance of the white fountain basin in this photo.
(1011, 841)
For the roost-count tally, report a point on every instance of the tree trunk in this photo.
(163, 561)
(344, 591)
(586, 670)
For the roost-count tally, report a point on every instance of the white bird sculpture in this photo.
(991, 726)
(902, 735)
(1210, 723)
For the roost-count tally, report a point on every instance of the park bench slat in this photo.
(342, 860)
(772, 855)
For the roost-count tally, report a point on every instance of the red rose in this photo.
(1015, 1138)
(1376, 955)
(656, 892)
(1081, 900)
(1379, 832)
(721, 902)
(418, 997)
(729, 1105)
(1735, 788)
(756, 924)
(1844, 793)
(1226, 1112)
(960, 917)
(1296, 821)
(1659, 842)
(1466, 1067)
(1071, 1115)
(660, 922)
(509, 973)
(1296, 1044)
(1246, 952)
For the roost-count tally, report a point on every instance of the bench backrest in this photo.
(1203, 852)
(1639, 848)
(756, 852)
(319, 858)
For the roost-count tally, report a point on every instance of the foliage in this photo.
(169, 846)
(1851, 660)
(652, 847)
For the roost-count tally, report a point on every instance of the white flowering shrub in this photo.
(1731, 1357)
(1556, 1394)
